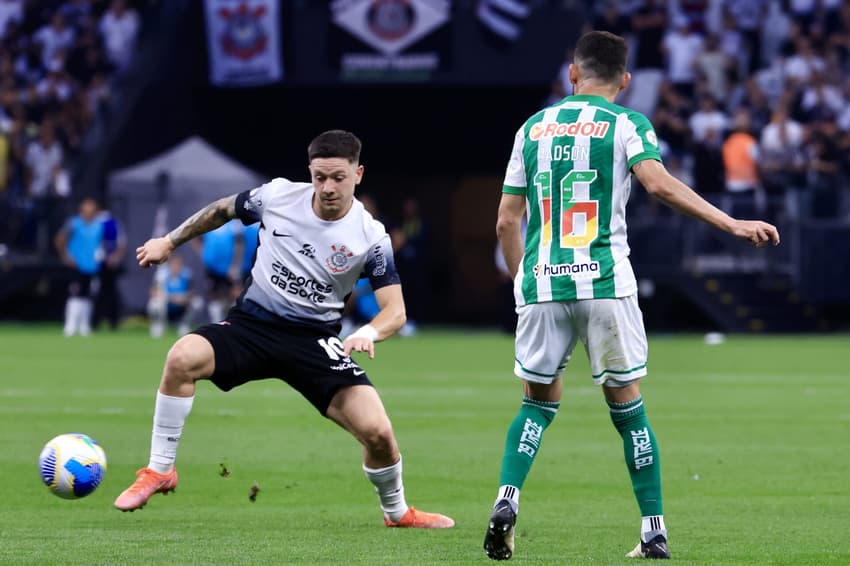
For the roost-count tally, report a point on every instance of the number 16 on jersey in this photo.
(579, 224)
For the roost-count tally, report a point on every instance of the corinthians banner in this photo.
(243, 39)
(389, 40)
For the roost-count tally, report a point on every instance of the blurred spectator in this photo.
(749, 16)
(824, 174)
(649, 25)
(781, 159)
(804, 62)
(119, 27)
(749, 95)
(671, 119)
(839, 38)
(47, 183)
(707, 126)
(172, 299)
(803, 12)
(744, 198)
(79, 244)
(76, 12)
(410, 241)
(821, 99)
(10, 11)
(681, 50)
(113, 248)
(55, 39)
(696, 13)
(715, 67)
(776, 28)
(732, 43)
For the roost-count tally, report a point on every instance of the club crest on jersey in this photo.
(337, 262)
(558, 129)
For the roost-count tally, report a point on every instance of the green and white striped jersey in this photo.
(572, 161)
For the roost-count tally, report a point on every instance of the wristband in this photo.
(366, 331)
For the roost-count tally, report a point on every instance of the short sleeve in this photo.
(640, 139)
(380, 264)
(251, 204)
(515, 182)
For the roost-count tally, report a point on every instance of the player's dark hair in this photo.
(335, 143)
(602, 55)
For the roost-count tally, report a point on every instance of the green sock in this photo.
(642, 455)
(523, 440)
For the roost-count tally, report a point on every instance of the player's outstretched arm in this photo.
(675, 194)
(389, 319)
(215, 214)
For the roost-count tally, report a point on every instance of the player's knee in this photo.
(188, 360)
(378, 437)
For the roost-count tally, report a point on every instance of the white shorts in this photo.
(610, 329)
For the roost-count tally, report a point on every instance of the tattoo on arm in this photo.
(208, 218)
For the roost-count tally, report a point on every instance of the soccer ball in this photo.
(72, 465)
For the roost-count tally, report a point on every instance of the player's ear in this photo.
(573, 70)
(359, 174)
(627, 78)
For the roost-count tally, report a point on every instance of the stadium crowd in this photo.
(750, 98)
(58, 60)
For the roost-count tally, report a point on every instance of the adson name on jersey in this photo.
(295, 284)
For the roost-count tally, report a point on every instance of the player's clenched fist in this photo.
(154, 251)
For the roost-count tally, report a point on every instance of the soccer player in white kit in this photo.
(315, 241)
(571, 170)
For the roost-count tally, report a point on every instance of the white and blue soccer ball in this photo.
(72, 465)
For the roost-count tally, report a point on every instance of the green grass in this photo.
(755, 437)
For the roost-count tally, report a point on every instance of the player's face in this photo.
(334, 179)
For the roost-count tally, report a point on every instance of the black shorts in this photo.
(310, 359)
(84, 285)
(219, 284)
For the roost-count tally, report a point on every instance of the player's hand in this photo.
(358, 344)
(756, 232)
(154, 251)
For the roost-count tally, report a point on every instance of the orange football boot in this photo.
(148, 482)
(416, 519)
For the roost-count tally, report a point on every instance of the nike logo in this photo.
(274, 233)
(357, 372)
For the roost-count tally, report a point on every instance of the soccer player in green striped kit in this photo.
(570, 171)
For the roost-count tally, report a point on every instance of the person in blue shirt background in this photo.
(78, 243)
(221, 254)
(108, 303)
(172, 299)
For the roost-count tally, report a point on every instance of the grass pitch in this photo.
(754, 434)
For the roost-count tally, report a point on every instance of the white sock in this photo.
(390, 489)
(85, 312)
(510, 493)
(71, 307)
(651, 526)
(169, 415)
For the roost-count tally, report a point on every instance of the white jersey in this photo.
(305, 266)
